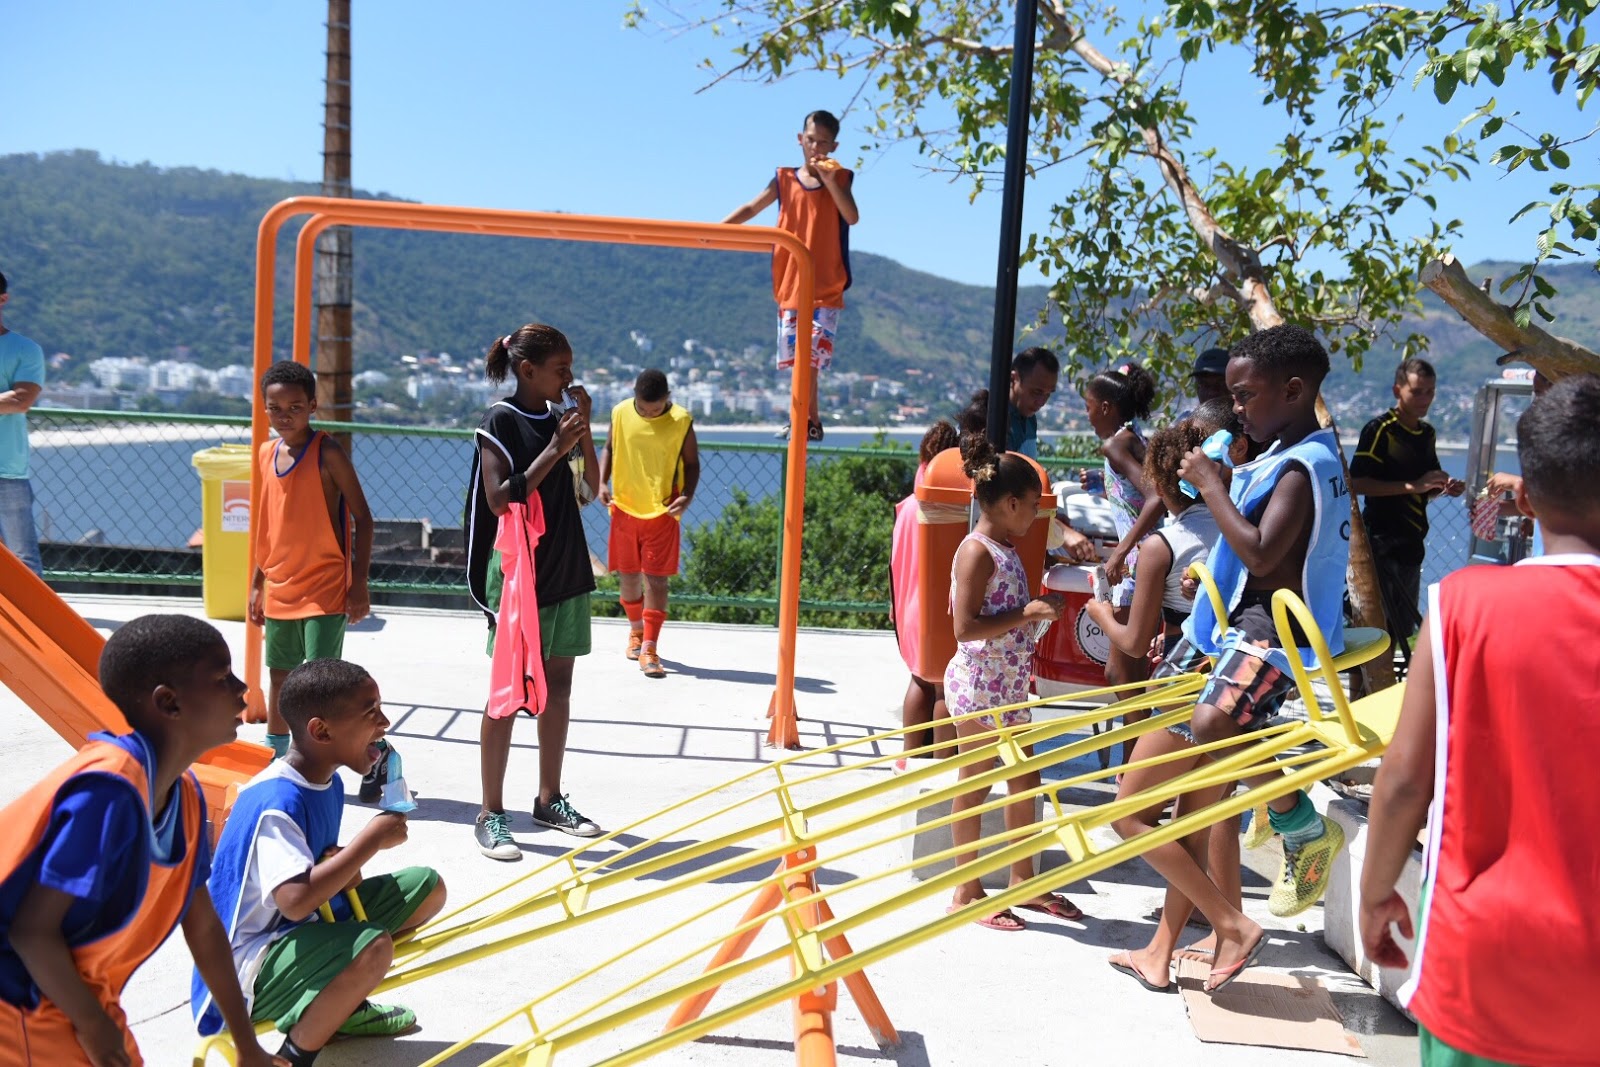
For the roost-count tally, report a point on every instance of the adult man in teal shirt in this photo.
(1034, 374)
(21, 379)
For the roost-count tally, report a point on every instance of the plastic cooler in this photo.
(225, 526)
(944, 500)
(1073, 650)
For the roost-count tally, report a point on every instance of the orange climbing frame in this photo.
(328, 211)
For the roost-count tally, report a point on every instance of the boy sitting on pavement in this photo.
(312, 541)
(1493, 752)
(279, 862)
(653, 459)
(1283, 526)
(111, 850)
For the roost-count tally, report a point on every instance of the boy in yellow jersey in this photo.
(648, 473)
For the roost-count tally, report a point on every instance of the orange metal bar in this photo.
(813, 1009)
(330, 211)
(859, 986)
(767, 898)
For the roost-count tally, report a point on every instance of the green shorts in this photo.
(563, 626)
(1435, 1053)
(291, 642)
(304, 961)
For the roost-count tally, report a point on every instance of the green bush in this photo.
(849, 519)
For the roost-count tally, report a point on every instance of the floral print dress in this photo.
(995, 672)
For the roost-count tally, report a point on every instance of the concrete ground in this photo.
(972, 997)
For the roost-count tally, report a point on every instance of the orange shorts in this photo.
(643, 546)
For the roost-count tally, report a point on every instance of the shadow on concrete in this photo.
(103, 624)
(912, 1051)
(370, 625)
(714, 674)
(814, 734)
(752, 873)
(366, 1053)
(544, 843)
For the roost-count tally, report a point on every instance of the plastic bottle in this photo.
(1216, 446)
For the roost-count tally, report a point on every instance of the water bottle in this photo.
(1216, 446)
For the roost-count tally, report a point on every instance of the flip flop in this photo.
(1196, 954)
(1056, 906)
(1001, 920)
(1230, 973)
(1138, 976)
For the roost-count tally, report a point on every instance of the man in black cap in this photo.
(1210, 375)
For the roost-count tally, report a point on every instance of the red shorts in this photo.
(643, 546)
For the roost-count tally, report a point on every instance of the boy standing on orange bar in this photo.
(110, 851)
(816, 205)
(648, 474)
(312, 540)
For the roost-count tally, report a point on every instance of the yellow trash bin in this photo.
(225, 526)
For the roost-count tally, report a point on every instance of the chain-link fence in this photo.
(118, 501)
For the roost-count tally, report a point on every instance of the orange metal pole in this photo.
(814, 1008)
(860, 986)
(784, 730)
(692, 1008)
(389, 214)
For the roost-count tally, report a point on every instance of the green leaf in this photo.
(1444, 85)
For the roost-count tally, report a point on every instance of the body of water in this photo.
(147, 493)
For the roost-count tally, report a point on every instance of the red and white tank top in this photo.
(1507, 961)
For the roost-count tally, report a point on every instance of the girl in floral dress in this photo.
(995, 619)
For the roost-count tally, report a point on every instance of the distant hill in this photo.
(114, 260)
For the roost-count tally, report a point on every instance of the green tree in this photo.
(849, 518)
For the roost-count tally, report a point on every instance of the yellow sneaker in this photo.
(1260, 831)
(1306, 872)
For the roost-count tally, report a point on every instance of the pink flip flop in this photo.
(1001, 920)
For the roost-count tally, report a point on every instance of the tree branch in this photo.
(1554, 357)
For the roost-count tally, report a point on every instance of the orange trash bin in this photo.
(944, 500)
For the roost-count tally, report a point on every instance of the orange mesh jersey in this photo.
(303, 534)
(42, 1034)
(812, 216)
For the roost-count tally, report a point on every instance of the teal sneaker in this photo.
(493, 832)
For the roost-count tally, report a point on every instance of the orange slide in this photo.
(50, 657)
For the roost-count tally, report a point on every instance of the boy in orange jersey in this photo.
(111, 851)
(650, 445)
(310, 575)
(816, 205)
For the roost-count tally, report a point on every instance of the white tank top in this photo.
(1190, 536)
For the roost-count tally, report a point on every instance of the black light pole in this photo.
(1005, 285)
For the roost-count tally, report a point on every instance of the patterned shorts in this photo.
(824, 326)
(1242, 684)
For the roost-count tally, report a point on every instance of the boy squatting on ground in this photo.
(815, 204)
(648, 473)
(1284, 526)
(1495, 751)
(279, 861)
(111, 850)
(309, 577)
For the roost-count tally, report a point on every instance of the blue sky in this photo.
(549, 105)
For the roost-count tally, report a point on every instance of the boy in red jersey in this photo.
(816, 205)
(1493, 750)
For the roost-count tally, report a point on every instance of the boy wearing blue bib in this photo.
(1285, 524)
